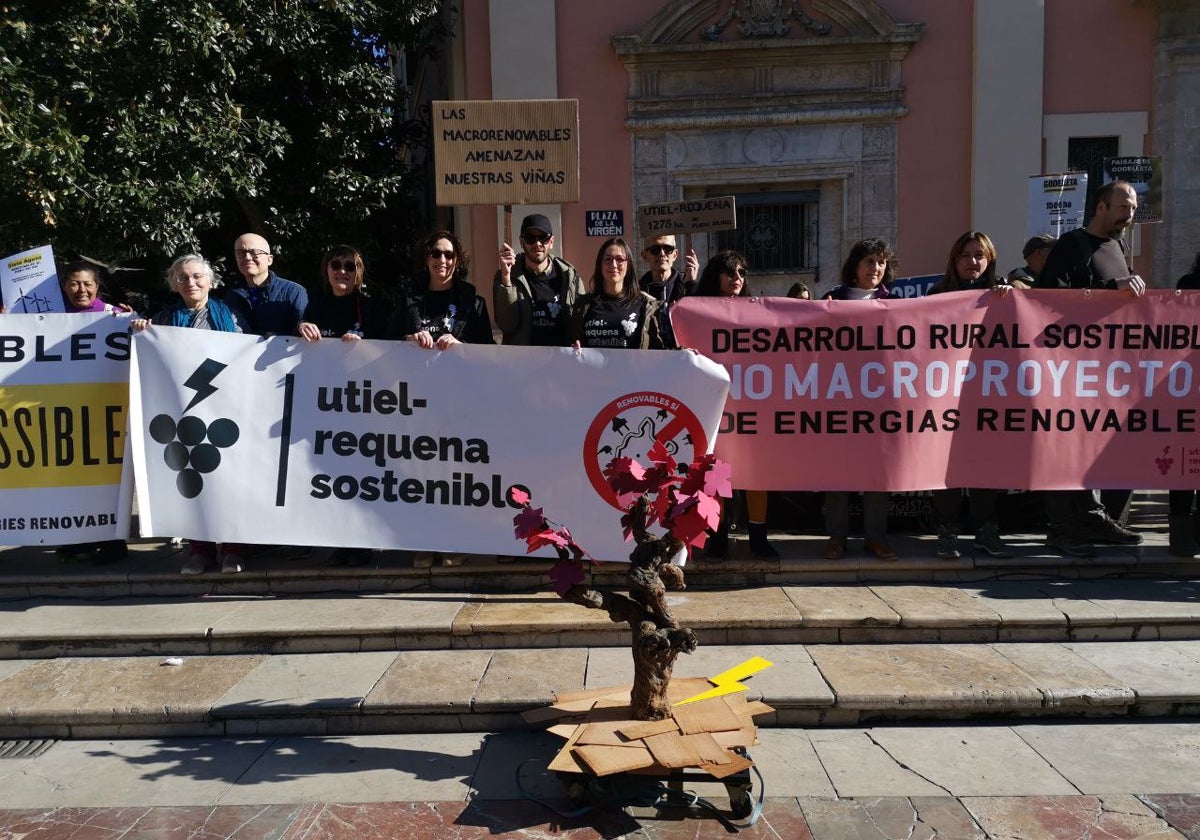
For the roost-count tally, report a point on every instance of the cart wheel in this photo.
(741, 803)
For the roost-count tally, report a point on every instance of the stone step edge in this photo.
(818, 691)
(295, 640)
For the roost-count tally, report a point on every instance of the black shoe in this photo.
(717, 547)
(1070, 546)
(760, 546)
(1105, 529)
(110, 552)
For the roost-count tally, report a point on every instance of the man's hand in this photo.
(507, 258)
(691, 267)
(1133, 283)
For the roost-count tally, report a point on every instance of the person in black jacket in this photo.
(666, 283)
(345, 310)
(1183, 522)
(439, 308)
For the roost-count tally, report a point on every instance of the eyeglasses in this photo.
(340, 265)
(613, 260)
(535, 238)
(434, 253)
(252, 253)
(659, 250)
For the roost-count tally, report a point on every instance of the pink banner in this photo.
(1040, 390)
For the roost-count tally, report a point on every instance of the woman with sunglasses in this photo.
(865, 276)
(345, 309)
(724, 276)
(439, 308)
(619, 314)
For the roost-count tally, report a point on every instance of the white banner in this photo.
(380, 444)
(64, 399)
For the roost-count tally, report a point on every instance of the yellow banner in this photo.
(62, 435)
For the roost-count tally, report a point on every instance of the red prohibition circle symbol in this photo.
(628, 426)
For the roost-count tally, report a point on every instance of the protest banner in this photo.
(29, 282)
(521, 151)
(1056, 203)
(1045, 390)
(63, 411)
(688, 216)
(381, 444)
(1145, 175)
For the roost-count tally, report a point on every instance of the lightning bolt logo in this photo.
(730, 682)
(201, 381)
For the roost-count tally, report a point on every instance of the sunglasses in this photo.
(343, 265)
(659, 250)
(738, 272)
(434, 253)
(536, 238)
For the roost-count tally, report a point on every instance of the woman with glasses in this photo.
(971, 265)
(192, 278)
(439, 308)
(865, 276)
(724, 276)
(345, 309)
(619, 314)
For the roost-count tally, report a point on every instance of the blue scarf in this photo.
(219, 317)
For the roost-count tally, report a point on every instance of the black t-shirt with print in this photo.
(550, 319)
(613, 322)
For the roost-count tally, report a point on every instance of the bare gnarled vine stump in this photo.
(657, 637)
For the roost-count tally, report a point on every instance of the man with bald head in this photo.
(270, 304)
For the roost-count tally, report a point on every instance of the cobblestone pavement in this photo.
(916, 818)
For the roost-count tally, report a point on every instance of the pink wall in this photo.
(934, 181)
(1099, 56)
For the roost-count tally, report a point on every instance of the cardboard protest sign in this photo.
(1056, 203)
(29, 282)
(1145, 174)
(688, 216)
(506, 151)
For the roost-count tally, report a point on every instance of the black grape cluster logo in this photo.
(192, 447)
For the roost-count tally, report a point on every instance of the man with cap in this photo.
(535, 293)
(1035, 252)
(664, 282)
(267, 302)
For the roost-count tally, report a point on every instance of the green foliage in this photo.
(145, 128)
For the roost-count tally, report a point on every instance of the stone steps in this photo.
(485, 690)
(998, 611)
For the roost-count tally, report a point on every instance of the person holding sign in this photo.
(439, 308)
(1091, 257)
(664, 282)
(1036, 249)
(345, 310)
(865, 276)
(192, 277)
(724, 276)
(535, 294)
(619, 315)
(970, 265)
(81, 288)
(267, 302)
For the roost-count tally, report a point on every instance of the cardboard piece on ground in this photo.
(745, 737)
(565, 761)
(670, 749)
(564, 730)
(647, 728)
(618, 692)
(706, 746)
(713, 715)
(736, 764)
(684, 687)
(558, 711)
(603, 734)
(604, 760)
(756, 708)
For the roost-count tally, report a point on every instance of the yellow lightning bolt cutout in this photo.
(730, 682)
